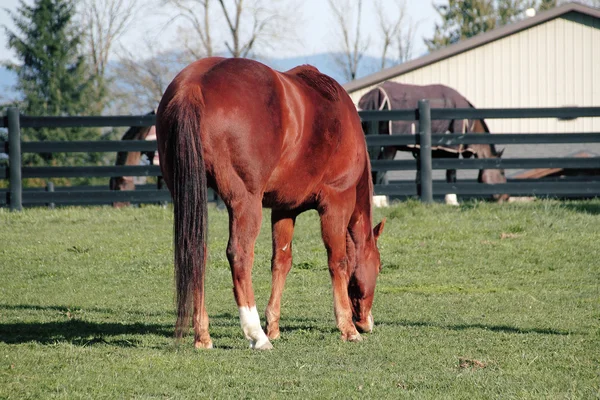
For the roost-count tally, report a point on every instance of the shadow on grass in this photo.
(80, 331)
(492, 328)
(76, 309)
(586, 208)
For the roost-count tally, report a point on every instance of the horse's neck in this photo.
(483, 151)
(133, 157)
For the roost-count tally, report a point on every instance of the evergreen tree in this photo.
(462, 19)
(53, 76)
(547, 4)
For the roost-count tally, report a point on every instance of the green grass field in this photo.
(477, 301)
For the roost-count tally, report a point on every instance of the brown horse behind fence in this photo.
(394, 96)
(133, 158)
(290, 141)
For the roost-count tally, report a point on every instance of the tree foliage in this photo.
(462, 19)
(52, 76)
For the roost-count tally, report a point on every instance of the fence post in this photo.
(14, 159)
(426, 183)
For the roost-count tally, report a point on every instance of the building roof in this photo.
(471, 43)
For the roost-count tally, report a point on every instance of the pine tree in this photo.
(547, 4)
(462, 19)
(53, 76)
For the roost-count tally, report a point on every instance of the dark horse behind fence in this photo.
(134, 158)
(392, 95)
(289, 141)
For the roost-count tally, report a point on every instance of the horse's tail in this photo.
(190, 203)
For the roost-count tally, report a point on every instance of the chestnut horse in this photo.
(289, 141)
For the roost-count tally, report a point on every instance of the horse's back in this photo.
(282, 134)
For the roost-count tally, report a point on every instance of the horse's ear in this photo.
(378, 229)
(500, 153)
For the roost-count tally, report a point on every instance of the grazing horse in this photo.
(133, 158)
(392, 95)
(290, 141)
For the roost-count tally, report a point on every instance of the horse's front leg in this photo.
(381, 178)
(451, 198)
(282, 225)
(245, 216)
(335, 217)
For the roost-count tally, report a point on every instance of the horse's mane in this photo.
(323, 84)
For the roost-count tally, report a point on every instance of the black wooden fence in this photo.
(16, 196)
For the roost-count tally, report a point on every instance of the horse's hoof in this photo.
(266, 345)
(273, 334)
(354, 337)
(365, 327)
(203, 345)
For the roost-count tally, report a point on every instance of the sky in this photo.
(315, 30)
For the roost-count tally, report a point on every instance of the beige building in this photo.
(549, 60)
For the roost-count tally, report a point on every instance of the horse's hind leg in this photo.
(245, 215)
(201, 336)
(335, 217)
(282, 225)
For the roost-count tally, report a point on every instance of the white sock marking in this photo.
(451, 199)
(250, 322)
(380, 201)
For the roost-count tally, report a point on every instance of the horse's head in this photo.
(366, 263)
(492, 176)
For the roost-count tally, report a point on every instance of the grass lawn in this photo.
(477, 301)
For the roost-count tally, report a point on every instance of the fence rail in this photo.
(426, 188)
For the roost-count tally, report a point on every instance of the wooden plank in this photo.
(490, 163)
(99, 171)
(478, 138)
(108, 196)
(87, 121)
(90, 146)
